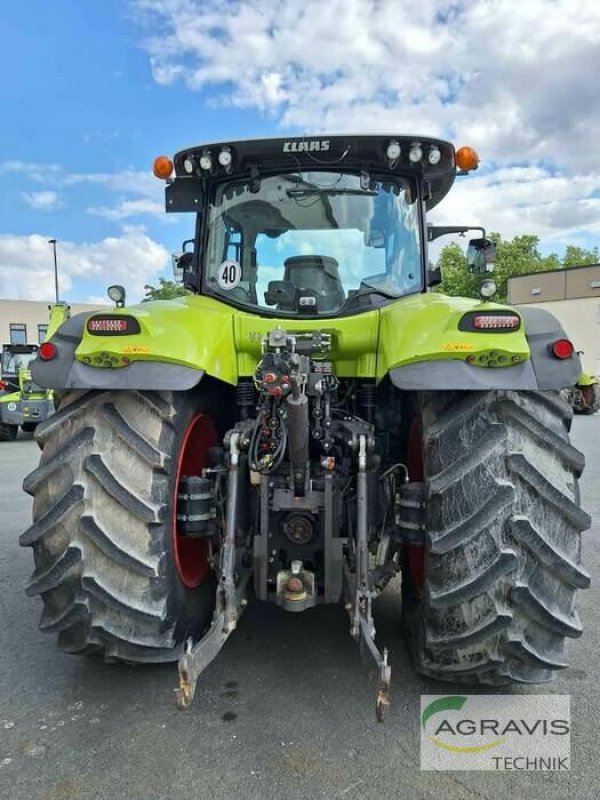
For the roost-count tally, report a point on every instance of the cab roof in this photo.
(347, 152)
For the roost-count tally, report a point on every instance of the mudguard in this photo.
(436, 349)
(420, 341)
(177, 343)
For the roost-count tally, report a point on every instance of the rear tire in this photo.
(29, 427)
(103, 539)
(502, 556)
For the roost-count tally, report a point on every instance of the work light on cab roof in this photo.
(392, 152)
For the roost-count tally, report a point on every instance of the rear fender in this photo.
(179, 341)
(435, 355)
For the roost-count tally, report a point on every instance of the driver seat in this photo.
(319, 275)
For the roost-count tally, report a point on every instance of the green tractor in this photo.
(584, 397)
(23, 403)
(311, 421)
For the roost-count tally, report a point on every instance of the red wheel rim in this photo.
(415, 553)
(191, 555)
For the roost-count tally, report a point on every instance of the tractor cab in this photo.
(14, 361)
(310, 227)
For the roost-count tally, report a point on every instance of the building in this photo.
(26, 321)
(573, 296)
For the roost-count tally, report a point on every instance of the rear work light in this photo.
(113, 325)
(47, 351)
(563, 348)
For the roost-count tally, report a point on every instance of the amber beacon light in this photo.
(466, 159)
(162, 167)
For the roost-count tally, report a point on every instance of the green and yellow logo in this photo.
(451, 703)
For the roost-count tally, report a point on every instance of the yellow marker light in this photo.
(466, 159)
(162, 167)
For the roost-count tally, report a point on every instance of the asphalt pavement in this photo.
(286, 710)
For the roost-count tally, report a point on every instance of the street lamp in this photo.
(53, 243)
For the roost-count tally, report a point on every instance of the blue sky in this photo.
(94, 90)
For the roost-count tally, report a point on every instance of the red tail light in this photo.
(47, 351)
(563, 348)
(3, 385)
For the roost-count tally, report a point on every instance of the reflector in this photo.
(562, 348)
(47, 351)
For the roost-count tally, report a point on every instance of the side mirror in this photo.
(481, 254)
(180, 263)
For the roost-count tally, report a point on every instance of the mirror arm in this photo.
(435, 231)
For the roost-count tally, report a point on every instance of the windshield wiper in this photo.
(308, 192)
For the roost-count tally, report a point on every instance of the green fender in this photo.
(418, 341)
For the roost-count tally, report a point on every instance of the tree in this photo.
(456, 279)
(515, 257)
(166, 290)
(577, 256)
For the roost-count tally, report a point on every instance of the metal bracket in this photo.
(359, 597)
(363, 631)
(230, 599)
(197, 657)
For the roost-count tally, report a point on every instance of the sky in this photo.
(93, 90)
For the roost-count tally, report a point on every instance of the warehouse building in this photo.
(26, 321)
(573, 296)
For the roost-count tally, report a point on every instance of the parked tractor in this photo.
(23, 403)
(584, 397)
(312, 420)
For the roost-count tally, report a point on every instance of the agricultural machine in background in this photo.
(23, 403)
(584, 397)
(313, 421)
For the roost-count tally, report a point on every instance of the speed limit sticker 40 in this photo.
(229, 274)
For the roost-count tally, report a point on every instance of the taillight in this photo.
(496, 322)
(3, 385)
(563, 348)
(113, 325)
(490, 321)
(47, 351)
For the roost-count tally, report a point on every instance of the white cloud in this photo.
(43, 201)
(518, 200)
(27, 268)
(148, 192)
(503, 76)
(516, 81)
(129, 208)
